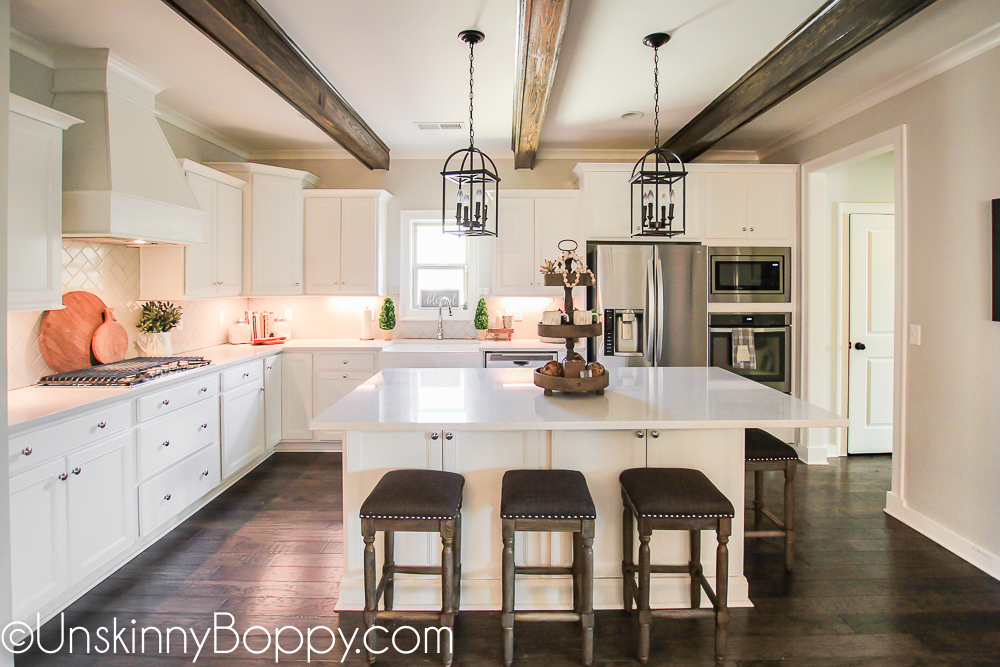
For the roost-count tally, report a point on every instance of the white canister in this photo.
(239, 333)
(282, 327)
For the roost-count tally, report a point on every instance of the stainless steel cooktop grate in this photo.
(125, 373)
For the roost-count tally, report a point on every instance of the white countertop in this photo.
(456, 344)
(507, 400)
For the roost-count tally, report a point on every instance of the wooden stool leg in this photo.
(587, 592)
(458, 563)
(790, 516)
(507, 615)
(722, 589)
(577, 570)
(694, 566)
(645, 616)
(389, 560)
(368, 535)
(758, 498)
(447, 584)
(627, 559)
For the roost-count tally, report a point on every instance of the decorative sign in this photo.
(431, 298)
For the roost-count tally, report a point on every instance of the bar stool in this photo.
(549, 501)
(764, 451)
(675, 499)
(415, 501)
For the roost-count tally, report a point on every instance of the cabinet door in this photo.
(276, 235)
(272, 401)
(242, 427)
(102, 504)
(359, 246)
(38, 546)
(771, 205)
(296, 396)
(608, 212)
(514, 263)
(330, 387)
(323, 246)
(725, 209)
(555, 220)
(200, 260)
(34, 214)
(229, 240)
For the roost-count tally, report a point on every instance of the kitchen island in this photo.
(482, 422)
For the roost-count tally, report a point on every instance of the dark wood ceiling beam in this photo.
(541, 24)
(244, 30)
(838, 29)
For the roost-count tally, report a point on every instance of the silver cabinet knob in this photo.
(167, 497)
(203, 389)
(751, 229)
(297, 284)
(77, 470)
(655, 434)
(166, 443)
(101, 424)
(205, 425)
(246, 375)
(435, 436)
(27, 451)
(62, 477)
(204, 473)
(165, 401)
(640, 434)
(345, 376)
(744, 229)
(449, 436)
(345, 362)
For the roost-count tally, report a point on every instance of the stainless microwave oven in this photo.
(749, 275)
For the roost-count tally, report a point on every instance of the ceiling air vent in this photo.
(439, 126)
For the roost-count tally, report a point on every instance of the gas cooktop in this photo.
(125, 373)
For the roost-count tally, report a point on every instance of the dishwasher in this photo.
(520, 359)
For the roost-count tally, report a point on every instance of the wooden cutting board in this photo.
(66, 335)
(110, 340)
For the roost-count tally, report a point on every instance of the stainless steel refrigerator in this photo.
(654, 298)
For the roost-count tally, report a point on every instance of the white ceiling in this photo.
(398, 62)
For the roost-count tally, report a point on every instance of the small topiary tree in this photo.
(387, 318)
(482, 317)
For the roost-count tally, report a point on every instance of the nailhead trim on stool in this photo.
(763, 452)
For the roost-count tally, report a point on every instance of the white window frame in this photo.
(406, 221)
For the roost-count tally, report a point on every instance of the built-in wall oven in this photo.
(749, 275)
(772, 339)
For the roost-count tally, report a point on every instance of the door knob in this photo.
(860, 346)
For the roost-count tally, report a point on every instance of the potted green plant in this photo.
(482, 319)
(387, 319)
(156, 320)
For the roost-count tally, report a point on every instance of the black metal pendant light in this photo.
(659, 173)
(469, 179)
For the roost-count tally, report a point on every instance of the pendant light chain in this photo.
(656, 97)
(472, 71)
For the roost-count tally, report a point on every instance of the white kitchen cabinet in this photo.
(345, 242)
(34, 206)
(532, 224)
(757, 202)
(771, 205)
(272, 227)
(272, 401)
(242, 426)
(328, 388)
(163, 497)
(296, 395)
(212, 269)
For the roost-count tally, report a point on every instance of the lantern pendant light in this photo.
(469, 179)
(659, 173)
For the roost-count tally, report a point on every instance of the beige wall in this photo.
(951, 467)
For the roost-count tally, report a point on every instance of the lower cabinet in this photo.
(272, 401)
(170, 492)
(310, 383)
(296, 395)
(242, 426)
(328, 388)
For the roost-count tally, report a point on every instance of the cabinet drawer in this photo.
(29, 449)
(168, 494)
(242, 374)
(176, 397)
(165, 441)
(354, 361)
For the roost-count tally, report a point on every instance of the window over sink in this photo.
(435, 265)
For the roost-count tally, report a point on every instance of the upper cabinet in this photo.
(34, 205)
(272, 227)
(213, 269)
(345, 242)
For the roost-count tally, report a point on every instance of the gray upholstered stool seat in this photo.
(764, 452)
(674, 499)
(549, 501)
(413, 501)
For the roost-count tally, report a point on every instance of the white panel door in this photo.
(555, 220)
(200, 260)
(322, 245)
(359, 246)
(102, 504)
(38, 544)
(272, 401)
(296, 395)
(771, 204)
(242, 427)
(725, 205)
(229, 240)
(514, 262)
(276, 256)
(872, 317)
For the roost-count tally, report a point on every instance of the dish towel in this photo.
(744, 355)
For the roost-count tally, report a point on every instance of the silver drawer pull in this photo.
(166, 497)
(204, 473)
(27, 451)
(203, 389)
(345, 362)
(345, 376)
(205, 425)
(655, 434)
(165, 401)
(435, 436)
(166, 443)
(101, 424)
(77, 471)
(246, 375)
(640, 434)
(449, 436)
(62, 477)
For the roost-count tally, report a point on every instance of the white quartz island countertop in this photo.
(507, 399)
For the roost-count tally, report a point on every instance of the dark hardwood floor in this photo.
(867, 590)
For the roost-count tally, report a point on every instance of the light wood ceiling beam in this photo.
(244, 30)
(541, 24)
(838, 29)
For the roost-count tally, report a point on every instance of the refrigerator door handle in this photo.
(660, 323)
(649, 346)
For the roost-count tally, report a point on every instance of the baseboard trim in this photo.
(814, 455)
(309, 447)
(832, 451)
(950, 540)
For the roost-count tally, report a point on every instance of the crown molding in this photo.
(29, 47)
(190, 125)
(944, 61)
(729, 156)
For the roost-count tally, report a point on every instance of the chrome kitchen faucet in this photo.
(443, 300)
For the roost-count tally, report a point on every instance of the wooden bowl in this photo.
(572, 385)
(570, 330)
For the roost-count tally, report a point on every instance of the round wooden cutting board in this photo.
(110, 340)
(65, 335)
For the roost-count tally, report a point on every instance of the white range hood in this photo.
(121, 181)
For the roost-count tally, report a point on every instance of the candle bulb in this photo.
(663, 208)
(465, 202)
(649, 205)
(670, 216)
(479, 201)
(458, 207)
